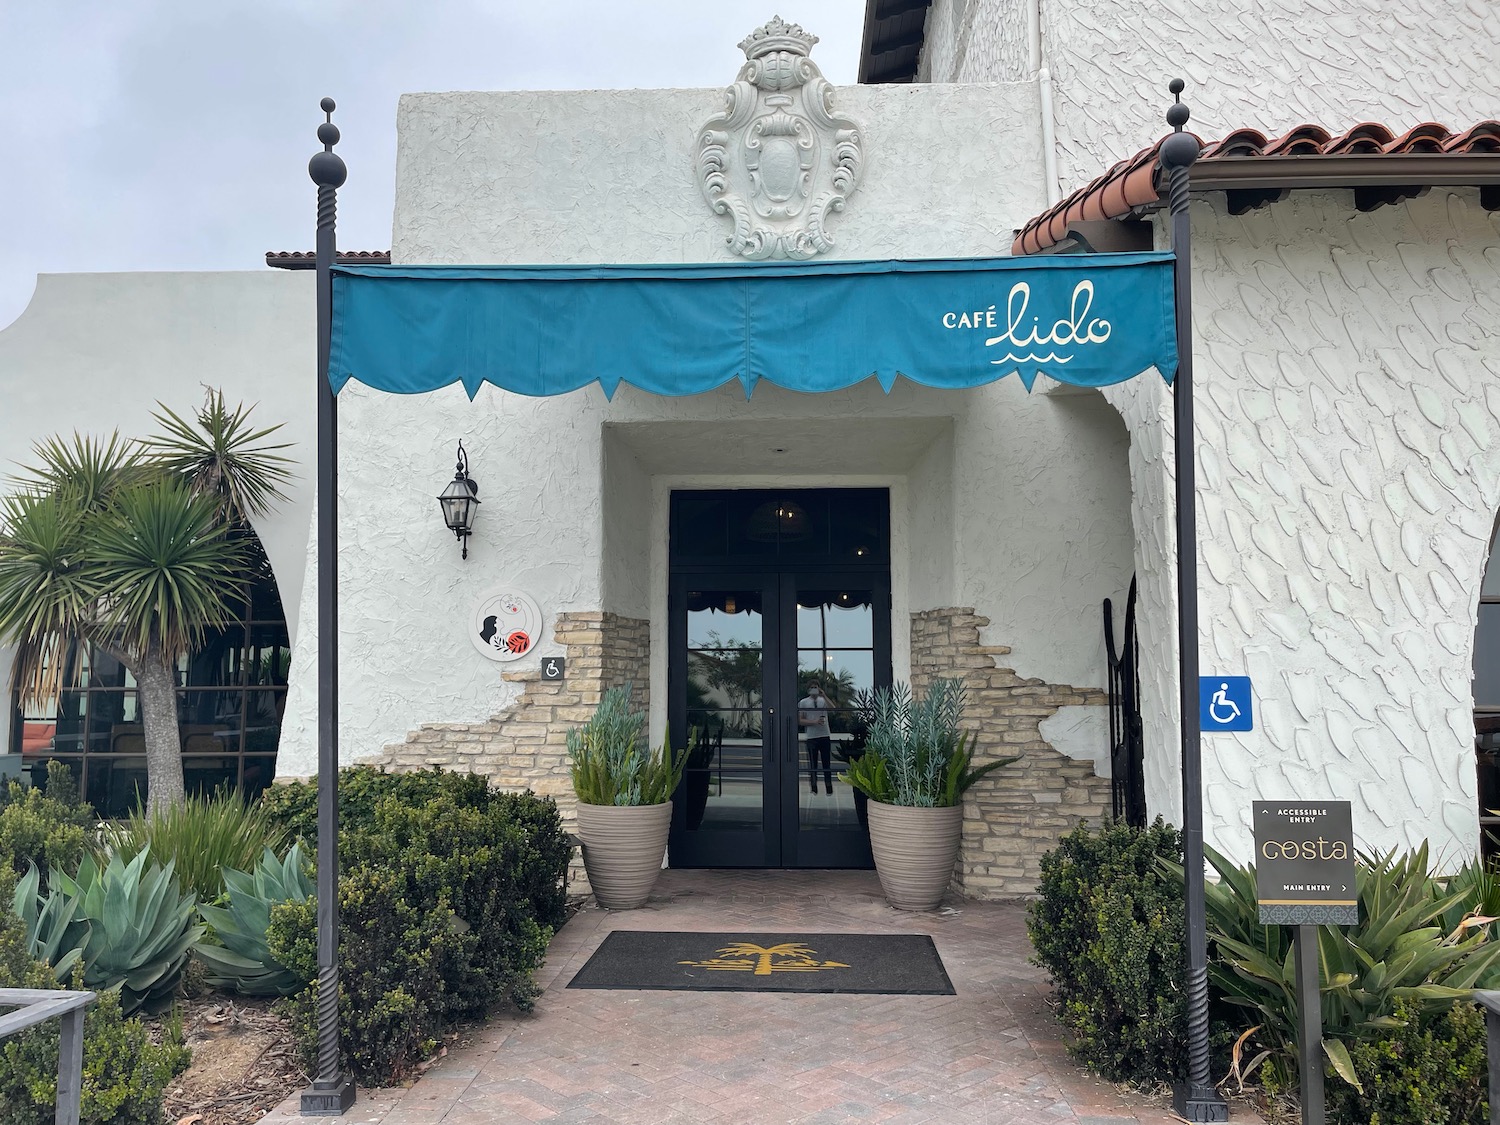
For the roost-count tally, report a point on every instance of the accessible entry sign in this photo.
(1304, 863)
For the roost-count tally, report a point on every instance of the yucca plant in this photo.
(141, 929)
(1399, 952)
(54, 932)
(204, 836)
(137, 547)
(915, 754)
(241, 959)
(611, 763)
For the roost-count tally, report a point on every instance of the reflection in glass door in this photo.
(838, 647)
(768, 653)
(726, 717)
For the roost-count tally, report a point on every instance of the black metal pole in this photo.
(1309, 1025)
(1196, 1099)
(1489, 1000)
(332, 1092)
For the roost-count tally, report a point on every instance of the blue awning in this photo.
(1090, 320)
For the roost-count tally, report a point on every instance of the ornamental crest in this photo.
(778, 159)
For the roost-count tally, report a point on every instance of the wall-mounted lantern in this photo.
(460, 501)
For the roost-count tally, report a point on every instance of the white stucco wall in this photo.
(930, 495)
(1268, 65)
(1348, 428)
(93, 353)
(607, 175)
(547, 477)
(626, 577)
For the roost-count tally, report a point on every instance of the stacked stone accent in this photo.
(1019, 812)
(525, 746)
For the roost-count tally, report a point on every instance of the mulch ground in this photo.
(244, 1063)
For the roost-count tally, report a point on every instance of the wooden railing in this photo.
(34, 1006)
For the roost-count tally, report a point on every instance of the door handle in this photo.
(768, 731)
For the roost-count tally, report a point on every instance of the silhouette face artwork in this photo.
(506, 625)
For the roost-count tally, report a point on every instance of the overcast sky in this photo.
(174, 134)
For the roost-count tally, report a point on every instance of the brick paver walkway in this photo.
(990, 1055)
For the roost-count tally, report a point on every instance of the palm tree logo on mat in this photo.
(763, 960)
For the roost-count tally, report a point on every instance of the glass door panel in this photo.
(724, 717)
(841, 631)
(779, 617)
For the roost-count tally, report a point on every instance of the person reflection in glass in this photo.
(812, 717)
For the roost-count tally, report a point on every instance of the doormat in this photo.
(885, 964)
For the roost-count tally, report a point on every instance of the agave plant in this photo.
(1398, 952)
(140, 928)
(54, 931)
(242, 961)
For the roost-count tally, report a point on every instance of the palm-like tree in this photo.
(139, 547)
(764, 953)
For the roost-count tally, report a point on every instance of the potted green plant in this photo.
(624, 789)
(703, 747)
(915, 769)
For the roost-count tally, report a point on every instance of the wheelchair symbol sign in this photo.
(1224, 703)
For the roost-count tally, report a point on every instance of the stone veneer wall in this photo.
(1015, 814)
(525, 746)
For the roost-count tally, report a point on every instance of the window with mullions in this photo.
(230, 700)
(1487, 706)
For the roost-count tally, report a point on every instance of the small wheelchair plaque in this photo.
(553, 667)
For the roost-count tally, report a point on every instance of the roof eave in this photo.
(1347, 170)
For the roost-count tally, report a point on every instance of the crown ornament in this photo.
(777, 35)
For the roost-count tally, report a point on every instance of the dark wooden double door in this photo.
(799, 595)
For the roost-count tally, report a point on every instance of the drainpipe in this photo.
(1044, 86)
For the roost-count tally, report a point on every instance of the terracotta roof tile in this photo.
(1132, 183)
(306, 259)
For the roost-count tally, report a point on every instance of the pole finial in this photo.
(327, 168)
(1180, 148)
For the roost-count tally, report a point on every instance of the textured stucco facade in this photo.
(1347, 426)
(1347, 467)
(1269, 65)
(574, 488)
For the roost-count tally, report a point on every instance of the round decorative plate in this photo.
(506, 625)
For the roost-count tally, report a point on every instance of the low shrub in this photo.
(475, 881)
(1108, 928)
(1432, 1070)
(44, 827)
(391, 986)
(203, 836)
(124, 1072)
(293, 806)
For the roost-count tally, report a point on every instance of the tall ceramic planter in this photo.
(915, 850)
(623, 847)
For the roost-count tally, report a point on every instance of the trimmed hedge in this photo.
(1432, 1071)
(1108, 928)
(450, 893)
(48, 827)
